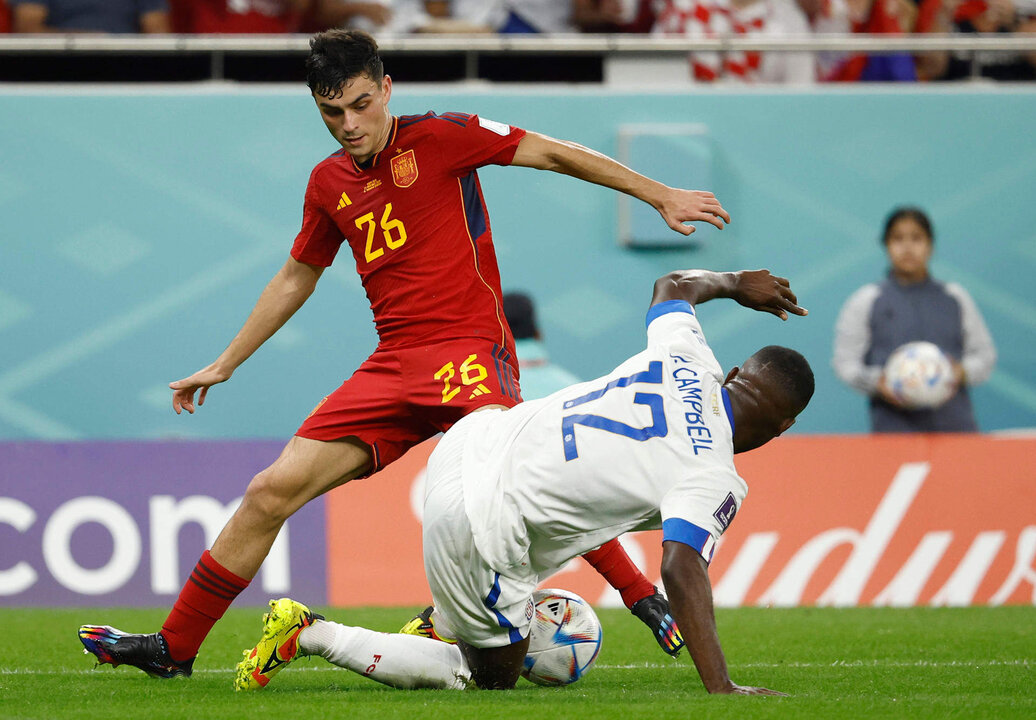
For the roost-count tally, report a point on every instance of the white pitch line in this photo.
(1024, 662)
(849, 663)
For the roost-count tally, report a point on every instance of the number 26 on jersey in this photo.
(392, 235)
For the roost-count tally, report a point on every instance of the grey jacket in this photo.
(878, 318)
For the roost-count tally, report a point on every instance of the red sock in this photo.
(206, 595)
(616, 567)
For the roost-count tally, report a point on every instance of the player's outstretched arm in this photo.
(285, 293)
(756, 289)
(686, 579)
(676, 206)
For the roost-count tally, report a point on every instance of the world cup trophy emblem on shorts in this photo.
(404, 169)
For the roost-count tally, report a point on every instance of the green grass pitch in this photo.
(834, 663)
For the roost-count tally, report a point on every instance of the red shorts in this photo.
(398, 398)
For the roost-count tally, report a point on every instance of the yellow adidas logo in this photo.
(344, 201)
(480, 389)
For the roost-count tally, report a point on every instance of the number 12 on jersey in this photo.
(658, 428)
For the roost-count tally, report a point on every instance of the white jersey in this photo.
(648, 446)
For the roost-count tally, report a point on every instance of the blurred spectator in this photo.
(537, 376)
(760, 18)
(440, 17)
(392, 17)
(277, 16)
(910, 305)
(1027, 24)
(933, 16)
(406, 16)
(487, 14)
(515, 17)
(878, 17)
(828, 17)
(980, 16)
(397, 17)
(372, 15)
(89, 16)
(611, 16)
(5, 17)
(238, 16)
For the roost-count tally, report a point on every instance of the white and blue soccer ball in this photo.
(920, 375)
(564, 640)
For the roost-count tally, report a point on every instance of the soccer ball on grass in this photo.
(564, 639)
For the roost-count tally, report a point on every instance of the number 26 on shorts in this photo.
(472, 373)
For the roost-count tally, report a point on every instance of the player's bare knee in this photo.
(270, 497)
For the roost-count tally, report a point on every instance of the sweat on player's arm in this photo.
(675, 205)
(512, 495)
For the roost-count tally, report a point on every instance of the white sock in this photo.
(402, 661)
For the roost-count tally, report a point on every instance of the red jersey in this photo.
(418, 227)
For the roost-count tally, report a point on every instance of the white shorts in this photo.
(482, 607)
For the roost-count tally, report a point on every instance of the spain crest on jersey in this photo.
(404, 169)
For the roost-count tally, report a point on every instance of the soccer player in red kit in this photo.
(404, 195)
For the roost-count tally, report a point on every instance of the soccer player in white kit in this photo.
(512, 495)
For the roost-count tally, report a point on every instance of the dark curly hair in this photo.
(336, 56)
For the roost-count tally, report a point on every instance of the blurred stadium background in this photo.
(141, 220)
(141, 224)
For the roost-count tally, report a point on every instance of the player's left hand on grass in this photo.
(745, 690)
(678, 207)
(759, 290)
